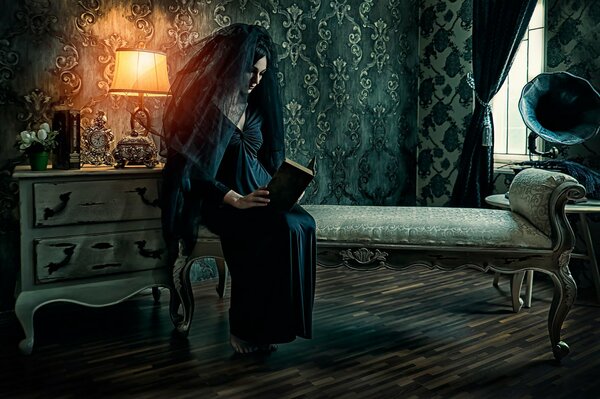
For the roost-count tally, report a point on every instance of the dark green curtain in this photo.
(498, 27)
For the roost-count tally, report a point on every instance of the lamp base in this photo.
(135, 150)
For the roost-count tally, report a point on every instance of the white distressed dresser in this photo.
(90, 236)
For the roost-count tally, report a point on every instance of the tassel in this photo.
(486, 140)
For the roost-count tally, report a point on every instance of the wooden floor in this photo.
(411, 334)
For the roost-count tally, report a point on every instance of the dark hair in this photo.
(215, 78)
(262, 50)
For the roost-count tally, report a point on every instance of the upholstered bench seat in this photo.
(462, 227)
(533, 235)
(393, 225)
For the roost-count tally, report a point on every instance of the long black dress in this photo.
(271, 255)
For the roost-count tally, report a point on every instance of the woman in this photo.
(224, 136)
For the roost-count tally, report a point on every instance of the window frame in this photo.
(505, 157)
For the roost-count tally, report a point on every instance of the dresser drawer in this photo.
(96, 255)
(80, 202)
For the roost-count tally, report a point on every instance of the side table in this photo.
(90, 236)
(582, 209)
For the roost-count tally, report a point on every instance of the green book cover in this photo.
(288, 184)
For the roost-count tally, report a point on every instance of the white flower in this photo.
(45, 127)
(26, 137)
(32, 139)
(42, 134)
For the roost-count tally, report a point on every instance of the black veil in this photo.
(208, 97)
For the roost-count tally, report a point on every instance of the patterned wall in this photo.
(349, 71)
(445, 99)
(574, 46)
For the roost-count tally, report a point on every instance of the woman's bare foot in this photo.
(241, 346)
(245, 347)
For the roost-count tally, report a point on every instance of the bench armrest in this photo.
(540, 196)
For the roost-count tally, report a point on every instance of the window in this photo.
(510, 133)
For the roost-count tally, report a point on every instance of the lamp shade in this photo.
(140, 71)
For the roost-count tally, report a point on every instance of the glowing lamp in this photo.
(139, 72)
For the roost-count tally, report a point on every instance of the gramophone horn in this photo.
(561, 108)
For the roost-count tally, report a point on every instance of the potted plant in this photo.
(37, 145)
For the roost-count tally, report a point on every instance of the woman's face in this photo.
(258, 70)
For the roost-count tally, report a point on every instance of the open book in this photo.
(288, 183)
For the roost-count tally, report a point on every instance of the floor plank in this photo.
(411, 334)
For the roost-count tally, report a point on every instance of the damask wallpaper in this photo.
(574, 45)
(349, 71)
(445, 99)
(376, 89)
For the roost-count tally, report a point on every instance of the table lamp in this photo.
(139, 72)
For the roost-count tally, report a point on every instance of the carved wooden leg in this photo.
(565, 291)
(174, 304)
(516, 282)
(24, 309)
(183, 287)
(222, 270)
(156, 294)
(528, 288)
(496, 278)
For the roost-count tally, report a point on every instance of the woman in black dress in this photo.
(224, 134)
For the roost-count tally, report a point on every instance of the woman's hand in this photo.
(258, 197)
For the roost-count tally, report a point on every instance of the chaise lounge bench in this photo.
(533, 235)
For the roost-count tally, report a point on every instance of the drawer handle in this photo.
(64, 198)
(148, 253)
(68, 251)
(142, 192)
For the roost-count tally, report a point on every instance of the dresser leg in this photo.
(24, 309)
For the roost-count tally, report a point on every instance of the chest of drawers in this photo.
(90, 236)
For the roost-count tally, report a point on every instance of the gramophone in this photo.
(561, 108)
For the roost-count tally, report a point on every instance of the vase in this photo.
(38, 160)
